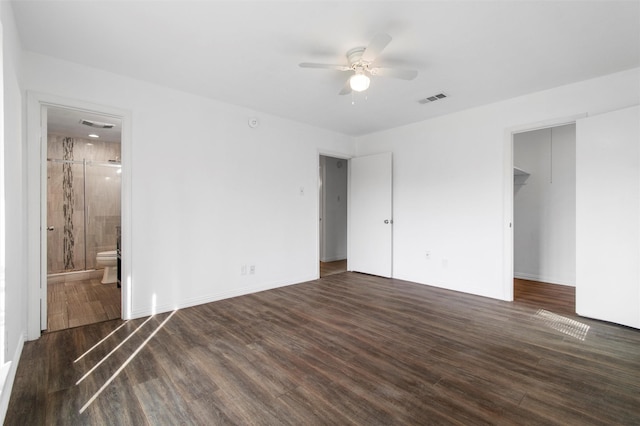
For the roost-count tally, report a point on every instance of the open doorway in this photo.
(83, 213)
(333, 182)
(544, 213)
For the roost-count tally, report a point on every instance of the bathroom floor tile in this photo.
(82, 302)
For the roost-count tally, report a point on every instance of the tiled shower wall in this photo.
(66, 207)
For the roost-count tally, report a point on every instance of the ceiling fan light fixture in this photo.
(359, 82)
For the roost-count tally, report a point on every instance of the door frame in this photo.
(342, 156)
(36, 152)
(508, 241)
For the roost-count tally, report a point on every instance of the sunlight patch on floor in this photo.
(113, 351)
(564, 325)
(124, 364)
(100, 342)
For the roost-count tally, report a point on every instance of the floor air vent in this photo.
(432, 98)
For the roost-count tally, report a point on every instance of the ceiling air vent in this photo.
(97, 124)
(432, 98)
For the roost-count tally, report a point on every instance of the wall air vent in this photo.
(432, 98)
(97, 124)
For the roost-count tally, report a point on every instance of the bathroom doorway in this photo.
(83, 211)
(333, 182)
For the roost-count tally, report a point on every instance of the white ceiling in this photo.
(247, 53)
(66, 122)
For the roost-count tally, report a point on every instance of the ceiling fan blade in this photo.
(395, 73)
(324, 66)
(346, 89)
(377, 45)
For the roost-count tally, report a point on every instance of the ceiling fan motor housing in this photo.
(355, 57)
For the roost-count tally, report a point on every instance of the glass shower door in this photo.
(102, 208)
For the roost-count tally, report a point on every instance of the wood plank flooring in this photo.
(81, 302)
(560, 299)
(330, 268)
(345, 349)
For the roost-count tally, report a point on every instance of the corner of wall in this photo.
(7, 377)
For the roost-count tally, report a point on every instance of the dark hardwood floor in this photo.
(330, 268)
(560, 299)
(345, 349)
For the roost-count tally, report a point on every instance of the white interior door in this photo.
(370, 215)
(608, 217)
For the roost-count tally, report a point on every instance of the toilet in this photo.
(108, 260)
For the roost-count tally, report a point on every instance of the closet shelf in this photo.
(520, 176)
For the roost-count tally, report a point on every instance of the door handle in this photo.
(387, 221)
(50, 228)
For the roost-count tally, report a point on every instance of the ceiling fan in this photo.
(361, 62)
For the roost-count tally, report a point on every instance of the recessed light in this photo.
(93, 135)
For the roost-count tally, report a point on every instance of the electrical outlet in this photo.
(243, 270)
(428, 255)
(445, 263)
(252, 269)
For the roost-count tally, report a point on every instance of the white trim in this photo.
(43, 217)
(507, 260)
(335, 258)
(545, 124)
(320, 242)
(3, 235)
(543, 279)
(507, 217)
(201, 300)
(7, 378)
(33, 217)
(36, 210)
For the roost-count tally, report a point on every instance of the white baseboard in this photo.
(187, 303)
(543, 279)
(7, 378)
(334, 258)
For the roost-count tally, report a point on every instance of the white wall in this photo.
(545, 206)
(209, 193)
(453, 182)
(608, 219)
(15, 289)
(334, 185)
